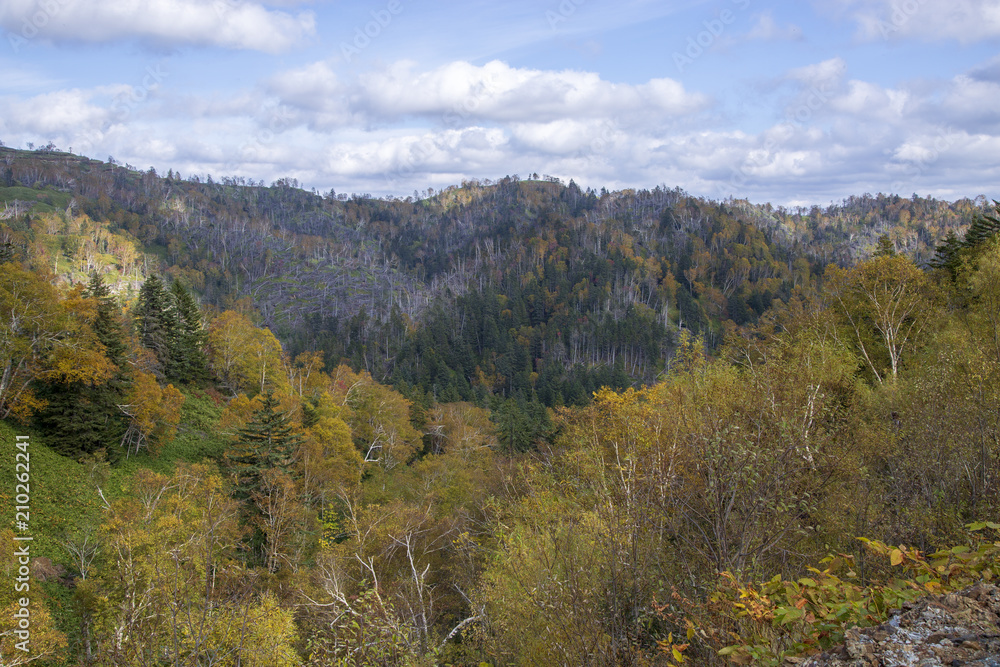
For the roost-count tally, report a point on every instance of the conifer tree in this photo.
(188, 360)
(983, 229)
(83, 417)
(107, 325)
(267, 443)
(156, 321)
(946, 254)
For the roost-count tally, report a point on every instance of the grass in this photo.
(64, 493)
(49, 200)
(64, 497)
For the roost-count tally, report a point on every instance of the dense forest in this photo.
(509, 423)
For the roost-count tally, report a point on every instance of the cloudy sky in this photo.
(793, 102)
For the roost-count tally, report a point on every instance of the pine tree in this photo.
(187, 356)
(156, 321)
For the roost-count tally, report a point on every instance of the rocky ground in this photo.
(960, 628)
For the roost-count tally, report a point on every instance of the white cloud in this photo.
(966, 21)
(766, 29)
(459, 94)
(398, 129)
(826, 72)
(232, 24)
(57, 114)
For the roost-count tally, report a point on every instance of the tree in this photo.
(982, 229)
(153, 414)
(82, 414)
(380, 420)
(33, 327)
(244, 357)
(884, 247)
(327, 460)
(947, 254)
(188, 361)
(885, 302)
(267, 442)
(281, 518)
(172, 590)
(260, 463)
(156, 322)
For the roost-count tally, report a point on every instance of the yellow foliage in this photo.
(154, 413)
(245, 357)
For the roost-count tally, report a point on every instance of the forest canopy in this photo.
(514, 423)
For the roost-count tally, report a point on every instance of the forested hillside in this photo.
(512, 423)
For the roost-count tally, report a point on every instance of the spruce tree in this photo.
(268, 441)
(188, 360)
(156, 321)
(946, 254)
(107, 324)
(983, 229)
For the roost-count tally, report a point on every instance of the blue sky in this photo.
(788, 102)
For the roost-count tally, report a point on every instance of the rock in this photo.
(42, 569)
(957, 629)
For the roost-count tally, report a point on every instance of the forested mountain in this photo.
(513, 288)
(511, 423)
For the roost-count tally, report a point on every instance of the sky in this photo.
(793, 103)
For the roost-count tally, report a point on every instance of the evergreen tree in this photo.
(946, 254)
(81, 417)
(187, 355)
(268, 441)
(156, 321)
(983, 229)
(107, 324)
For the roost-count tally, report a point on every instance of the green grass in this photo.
(49, 200)
(61, 495)
(64, 496)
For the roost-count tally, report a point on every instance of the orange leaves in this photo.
(154, 413)
(43, 337)
(80, 364)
